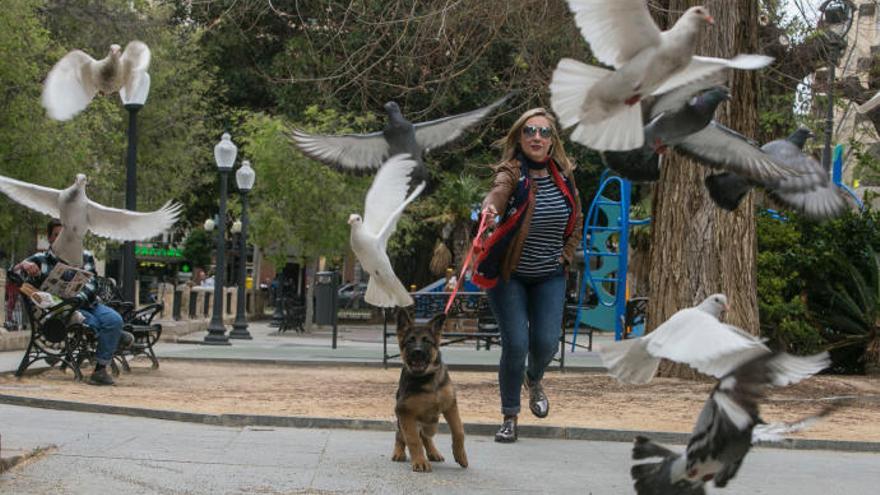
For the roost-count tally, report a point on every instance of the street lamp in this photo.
(835, 22)
(224, 154)
(132, 102)
(244, 177)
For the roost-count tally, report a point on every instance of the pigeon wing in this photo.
(69, 88)
(870, 104)
(720, 147)
(38, 198)
(126, 225)
(673, 100)
(698, 339)
(616, 30)
(347, 152)
(436, 133)
(703, 67)
(387, 196)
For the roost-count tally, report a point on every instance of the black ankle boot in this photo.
(508, 431)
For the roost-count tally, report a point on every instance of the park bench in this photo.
(469, 318)
(137, 321)
(293, 314)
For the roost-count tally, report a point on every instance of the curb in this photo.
(362, 364)
(478, 429)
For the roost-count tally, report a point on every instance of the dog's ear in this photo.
(404, 323)
(437, 323)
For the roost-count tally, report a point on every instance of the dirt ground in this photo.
(576, 399)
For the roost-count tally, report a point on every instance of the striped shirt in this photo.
(543, 245)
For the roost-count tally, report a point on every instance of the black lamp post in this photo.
(132, 103)
(836, 21)
(244, 177)
(224, 154)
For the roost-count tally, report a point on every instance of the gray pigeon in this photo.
(810, 192)
(79, 214)
(400, 136)
(682, 119)
(600, 103)
(75, 80)
(725, 428)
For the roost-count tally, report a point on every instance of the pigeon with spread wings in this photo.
(369, 151)
(75, 80)
(726, 428)
(600, 103)
(386, 200)
(79, 214)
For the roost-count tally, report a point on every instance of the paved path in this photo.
(116, 454)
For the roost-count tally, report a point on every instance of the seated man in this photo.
(106, 322)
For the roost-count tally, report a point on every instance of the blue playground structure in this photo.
(837, 175)
(606, 258)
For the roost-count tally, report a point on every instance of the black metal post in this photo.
(216, 329)
(239, 328)
(829, 116)
(128, 260)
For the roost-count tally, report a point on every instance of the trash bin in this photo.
(326, 297)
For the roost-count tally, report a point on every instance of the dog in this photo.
(424, 392)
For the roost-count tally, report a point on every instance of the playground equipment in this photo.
(837, 175)
(606, 258)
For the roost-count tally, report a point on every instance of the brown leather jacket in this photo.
(503, 185)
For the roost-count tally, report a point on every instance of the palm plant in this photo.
(849, 310)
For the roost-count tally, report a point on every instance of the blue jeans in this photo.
(107, 325)
(529, 315)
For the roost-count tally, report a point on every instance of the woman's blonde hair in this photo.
(509, 144)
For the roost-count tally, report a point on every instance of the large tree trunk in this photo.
(698, 249)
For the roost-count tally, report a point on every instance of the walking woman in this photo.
(524, 261)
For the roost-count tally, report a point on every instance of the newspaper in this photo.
(65, 281)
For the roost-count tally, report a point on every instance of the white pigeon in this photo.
(75, 80)
(79, 214)
(603, 103)
(693, 336)
(870, 104)
(386, 200)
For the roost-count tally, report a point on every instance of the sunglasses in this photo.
(530, 131)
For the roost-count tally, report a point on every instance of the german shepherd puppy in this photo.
(424, 392)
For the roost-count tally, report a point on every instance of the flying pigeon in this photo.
(386, 200)
(602, 103)
(693, 336)
(368, 151)
(810, 192)
(682, 119)
(79, 214)
(77, 77)
(725, 429)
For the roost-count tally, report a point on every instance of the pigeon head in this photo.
(697, 14)
(115, 50)
(392, 108)
(714, 305)
(708, 101)
(800, 136)
(355, 219)
(81, 181)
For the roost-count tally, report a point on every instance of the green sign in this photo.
(158, 252)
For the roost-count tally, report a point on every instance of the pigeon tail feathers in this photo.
(621, 131)
(385, 293)
(571, 82)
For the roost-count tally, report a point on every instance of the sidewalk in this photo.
(99, 453)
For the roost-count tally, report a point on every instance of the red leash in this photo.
(476, 245)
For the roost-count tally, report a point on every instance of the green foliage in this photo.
(197, 247)
(797, 261)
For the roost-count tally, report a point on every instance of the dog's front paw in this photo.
(460, 457)
(435, 456)
(421, 466)
(398, 455)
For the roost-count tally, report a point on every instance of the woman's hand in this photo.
(30, 268)
(491, 212)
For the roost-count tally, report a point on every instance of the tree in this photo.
(698, 249)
